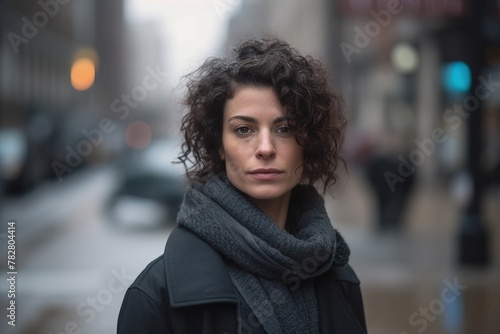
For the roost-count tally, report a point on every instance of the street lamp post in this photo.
(473, 238)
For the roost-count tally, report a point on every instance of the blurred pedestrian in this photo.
(392, 200)
(254, 250)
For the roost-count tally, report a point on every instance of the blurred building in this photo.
(396, 57)
(302, 23)
(61, 62)
(146, 51)
(421, 80)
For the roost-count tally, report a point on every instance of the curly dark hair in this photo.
(315, 109)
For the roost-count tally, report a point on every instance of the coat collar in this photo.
(196, 274)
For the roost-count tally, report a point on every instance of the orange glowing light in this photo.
(82, 74)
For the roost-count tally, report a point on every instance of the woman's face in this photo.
(262, 156)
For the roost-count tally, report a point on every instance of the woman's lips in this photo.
(266, 173)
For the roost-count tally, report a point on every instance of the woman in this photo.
(254, 250)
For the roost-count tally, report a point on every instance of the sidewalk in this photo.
(47, 208)
(404, 275)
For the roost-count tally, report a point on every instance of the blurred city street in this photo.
(90, 109)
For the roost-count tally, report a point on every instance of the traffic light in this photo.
(457, 78)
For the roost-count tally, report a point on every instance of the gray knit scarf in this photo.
(271, 268)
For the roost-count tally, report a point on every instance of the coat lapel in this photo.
(339, 301)
(196, 274)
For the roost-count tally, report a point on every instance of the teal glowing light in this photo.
(457, 77)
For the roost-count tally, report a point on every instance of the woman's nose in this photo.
(265, 149)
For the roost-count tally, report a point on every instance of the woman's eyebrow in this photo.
(243, 118)
(281, 119)
(254, 120)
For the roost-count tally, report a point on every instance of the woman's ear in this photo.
(221, 153)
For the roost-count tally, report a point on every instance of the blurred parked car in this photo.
(13, 152)
(25, 152)
(150, 187)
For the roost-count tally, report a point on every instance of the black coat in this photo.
(188, 290)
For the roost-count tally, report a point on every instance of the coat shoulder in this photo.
(345, 273)
(145, 305)
(185, 290)
(152, 280)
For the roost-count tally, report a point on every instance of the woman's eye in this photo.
(284, 130)
(243, 130)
